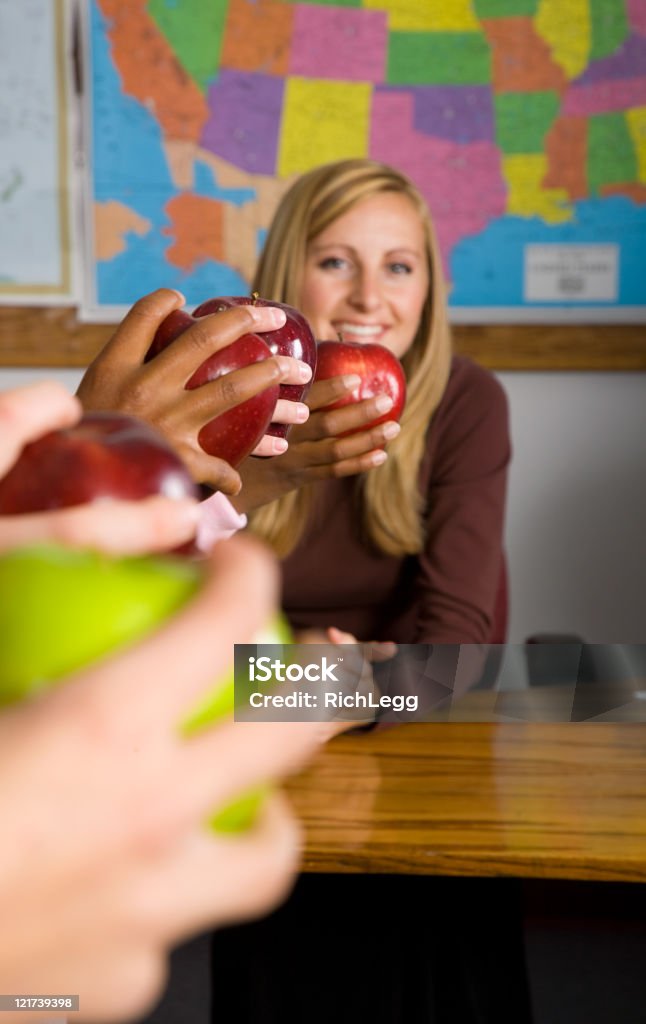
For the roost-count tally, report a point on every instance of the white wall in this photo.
(576, 533)
(576, 525)
(15, 378)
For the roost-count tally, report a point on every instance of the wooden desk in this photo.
(528, 799)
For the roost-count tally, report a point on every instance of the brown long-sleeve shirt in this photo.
(447, 593)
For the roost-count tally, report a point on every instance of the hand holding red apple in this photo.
(378, 370)
(39, 424)
(97, 772)
(69, 607)
(351, 422)
(120, 379)
(294, 339)
(235, 434)
(231, 435)
(103, 455)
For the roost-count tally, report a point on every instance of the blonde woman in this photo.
(387, 534)
(403, 541)
(393, 534)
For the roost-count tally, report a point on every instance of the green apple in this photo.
(219, 702)
(63, 609)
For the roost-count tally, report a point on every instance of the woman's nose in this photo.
(366, 291)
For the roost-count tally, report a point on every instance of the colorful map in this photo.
(523, 122)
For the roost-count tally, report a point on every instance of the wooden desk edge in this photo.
(481, 866)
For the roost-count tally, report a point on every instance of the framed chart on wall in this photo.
(35, 242)
(523, 123)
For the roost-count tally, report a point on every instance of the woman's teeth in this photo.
(361, 330)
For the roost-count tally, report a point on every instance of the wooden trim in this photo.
(554, 346)
(48, 337)
(54, 337)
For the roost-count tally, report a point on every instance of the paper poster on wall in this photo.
(35, 248)
(523, 122)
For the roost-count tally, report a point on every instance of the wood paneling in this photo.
(53, 336)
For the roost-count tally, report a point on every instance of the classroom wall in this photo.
(576, 529)
(576, 532)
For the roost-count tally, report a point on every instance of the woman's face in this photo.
(366, 276)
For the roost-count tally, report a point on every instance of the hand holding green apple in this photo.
(66, 608)
(107, 864)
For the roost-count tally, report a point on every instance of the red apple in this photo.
(294, 339)
(170, 328)
(104, 455)
(380, 371)
(233, 434)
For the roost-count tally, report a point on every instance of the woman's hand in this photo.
(374, 651)
(117, 527)
(288, 413)
(356, 672)
(318, 449)
(119, 379)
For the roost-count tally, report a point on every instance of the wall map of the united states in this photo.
(522, 121)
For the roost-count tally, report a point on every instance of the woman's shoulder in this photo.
(471, 422)
(472, 383)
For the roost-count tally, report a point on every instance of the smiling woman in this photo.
(417, 519)
(390, 532)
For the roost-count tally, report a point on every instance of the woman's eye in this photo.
(400, 268)
(333, 263)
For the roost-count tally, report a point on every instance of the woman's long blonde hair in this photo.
(392, 506)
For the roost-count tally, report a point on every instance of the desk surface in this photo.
(530, 799)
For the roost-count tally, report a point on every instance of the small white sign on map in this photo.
(571, 273)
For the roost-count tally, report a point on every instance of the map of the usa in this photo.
(523, 123)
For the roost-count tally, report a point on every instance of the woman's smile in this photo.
(366, 275)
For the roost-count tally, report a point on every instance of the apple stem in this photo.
(255, 296)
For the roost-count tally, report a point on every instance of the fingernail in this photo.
(390, 430)
(302, 412)
(268, 317)
(378, 458)
(304, 372)
(279, 445)
(284, 364)
(179, 295)
(351, 380)
(383, 403)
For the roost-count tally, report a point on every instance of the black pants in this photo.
(187, 999)
(349, 949)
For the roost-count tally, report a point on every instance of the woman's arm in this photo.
(464, 477)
